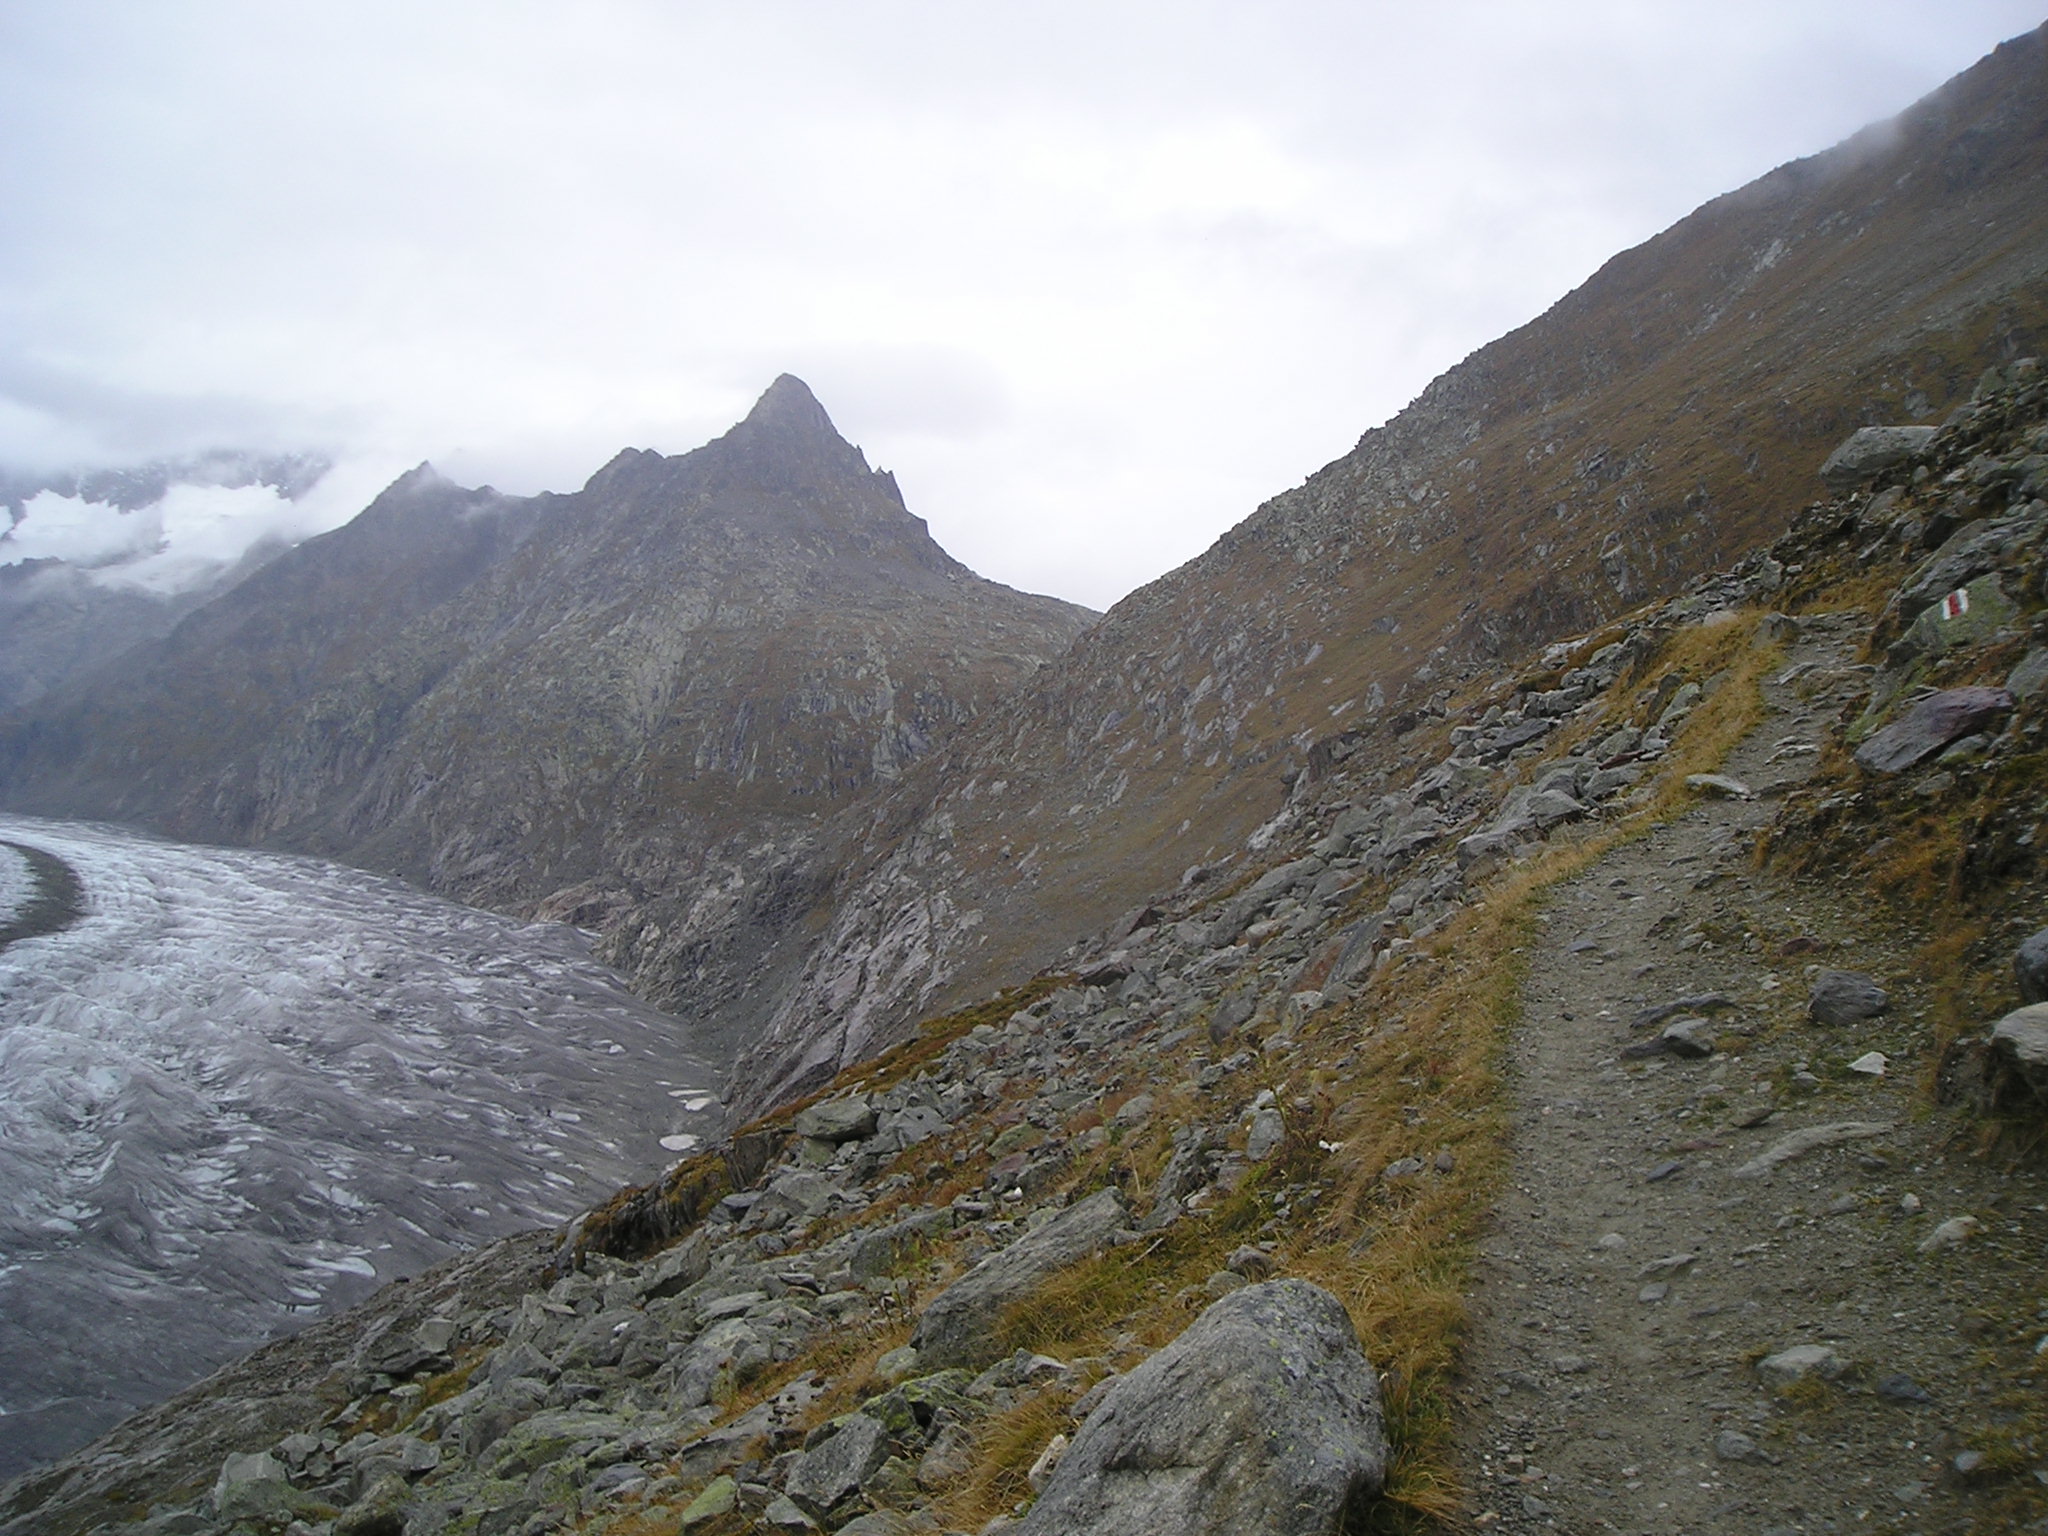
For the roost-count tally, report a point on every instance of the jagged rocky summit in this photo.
(630, 708)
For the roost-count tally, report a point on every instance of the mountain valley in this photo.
(1505, 995)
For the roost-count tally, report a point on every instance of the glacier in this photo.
(244, 1089)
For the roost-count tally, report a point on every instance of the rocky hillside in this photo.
(1189, 1223)
(1654, 423)
(629, 708)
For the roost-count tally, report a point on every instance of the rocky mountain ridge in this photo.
(1262, 1116)
(629, 707)
(1651, 425)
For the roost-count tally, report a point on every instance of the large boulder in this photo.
(1264, 1416)
(958, 1328)
(1931, 725)
(1869, 451)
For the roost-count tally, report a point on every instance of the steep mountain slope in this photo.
(1664, 415)
(628, 707)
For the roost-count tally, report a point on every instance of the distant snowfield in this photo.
(245, 1089)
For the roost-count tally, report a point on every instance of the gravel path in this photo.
(1638, 1269)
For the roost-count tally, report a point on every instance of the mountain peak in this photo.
(787, 439)
(788, 405)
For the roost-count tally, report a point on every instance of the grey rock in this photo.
(1547, 807)
(252, 1486)
(831, 1471)
(733, 1304)
(494, 1412)
(1733, 1445)
(846, 1119)
(911, 1125)
(1869, 451)
(2030, 676)
(1267, 1132)
(1812, 1138)
(2030, 968)
(881, 1252)
(1719, 784)
(1700, 1003)
(1263, 1416)
(1607, 782)
(1186, 1171)
(1689, 1037)
(679, 1268)
(380, 1511)
(1799, 1362)
(723, 1448)
(1481, 846)
(719, 1497)
(794, 1196)
(880, 1522)
(437, 1334)
(785, 1514)
(1682, 704)
(1845, 997)
(729, 1346)
(404, 1456)
(1901, 1388)
(511, 1361)
(1931, 725)
(2019, 1053)
(957, 1328)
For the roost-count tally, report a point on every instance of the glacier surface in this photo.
(245, 1089)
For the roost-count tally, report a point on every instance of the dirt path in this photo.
(1634, 1277)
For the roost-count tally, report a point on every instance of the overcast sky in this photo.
(1094, 279)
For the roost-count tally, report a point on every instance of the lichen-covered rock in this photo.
(1264, 1416)
(957, 1328)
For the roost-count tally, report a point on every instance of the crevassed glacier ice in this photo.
(245, 1089)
